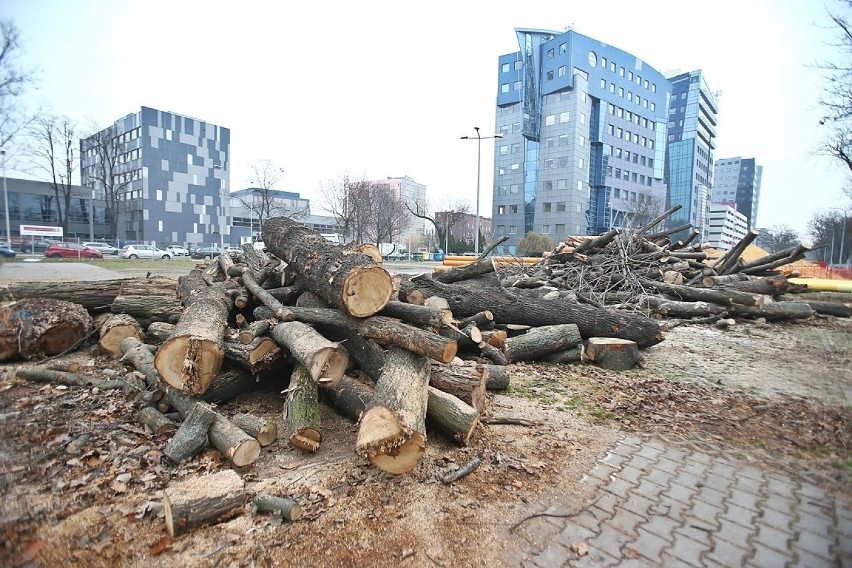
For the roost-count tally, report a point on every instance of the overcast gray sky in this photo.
(380, 89)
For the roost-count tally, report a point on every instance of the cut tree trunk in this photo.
(325, 360)
(542, 340)
(496, 377)
(347, 280)
(203, 500)
(191, 437)
(510, 308)
(155, 421)
(350, 397)
(392, 434)
(116, 328)
(451, 415)
(301, 411)
(384, 330)
(95, 296)
(190, 359)
(35, 327)
(612, 353)
(257, 356)
(465, 383)
(417, 315)
(672, 308)
(261, 429)
(839, 309)
(287, 509)
(149, 308)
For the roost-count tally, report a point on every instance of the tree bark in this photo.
(509, 308)
(541, 341)
(95, 296)
(612, 353)
(191, 437)
(116, 328)
(257, 356)
(417, 315)
(261, 429)
(287, 509)
(158, 332)
(347, 280)
(203, 499)
(192, 356)
(496, 377)
(482, 265)
(465, 383)
(148, 308)
(156, 422)
(392, 434)
(350, 397)
(451, 415)
(301, 411)
(325, 360)
(35, 327)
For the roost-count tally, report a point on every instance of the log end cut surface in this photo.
(184, 358)
(386, 444)
(366, 290)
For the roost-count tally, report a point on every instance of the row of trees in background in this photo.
(366, 212)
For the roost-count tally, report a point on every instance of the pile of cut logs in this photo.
(394, 352)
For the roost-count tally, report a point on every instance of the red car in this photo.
(71, 250)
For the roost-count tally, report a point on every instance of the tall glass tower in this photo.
(584, 131)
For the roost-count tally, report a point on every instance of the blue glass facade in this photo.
(582, 123)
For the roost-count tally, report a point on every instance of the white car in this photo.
(177, 250)
(105, 248)
(143, 251)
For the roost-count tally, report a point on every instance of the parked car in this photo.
(235, 252)
(105, 248)
(7, 252)
(206, 252)
(143, 251)
(71, 250)
(34, 246)
(177, 250)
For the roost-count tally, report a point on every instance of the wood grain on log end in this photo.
(189, 363)
(384, 441)
(366, 290)
(306, 439)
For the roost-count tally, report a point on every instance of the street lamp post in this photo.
(479, 140)
(6, 201)
(841, 260)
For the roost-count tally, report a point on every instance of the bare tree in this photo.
(831, 231)
(452, 214)
(52, 149)
(263, 200)
(13, 82)
(107, 174)
(777, 238)
(388, 216)
(640, 212)
(349, 202)
(836, 100)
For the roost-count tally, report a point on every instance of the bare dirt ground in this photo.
(780, 390)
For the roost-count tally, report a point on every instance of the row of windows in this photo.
(127, 177)
(630, 116)
(562, 140)
(630, 96)
(627, 175)
(564, 117)
(128, 156)
(548, 185)
(628, 195)
(630, 136)
(630, 76)
(508, 66)
(627, 155)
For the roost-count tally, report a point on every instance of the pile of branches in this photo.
(648, 272)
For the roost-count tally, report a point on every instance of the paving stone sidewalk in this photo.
(655, 503)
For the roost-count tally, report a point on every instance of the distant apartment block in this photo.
(248, 208)
(738, 180)
(691, 141)
(584, 133)
(463, 228)
(725, 225)
(171, 173)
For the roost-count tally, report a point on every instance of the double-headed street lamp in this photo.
(479, 140)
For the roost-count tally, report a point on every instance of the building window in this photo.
(549, 142)
(563, 162)
(582, 118)
(502, 190)
(621, 92)
(561, 71)
(550, 53)
(546, 207)
(629, 96)
(550, 75)
(619, 133)
(620, 112)
(609, 129)
(603, 83)
(513, 188)
(549, 164)
(513, 208)
(562, 184)
(504, 149)
(612, 66)
(581, 163)
(603, 62)
(501, 229)
(612, 87)
(560, 207)
(513, 229)
(630, 75)
(516, 127)
(548, 186)
(545, 229)
(579, 185)
(611, 109)
(517, 85)
(506, 68)
(564, 117)
(582, 141)
(563, 47)
(550, 120)
(501, 209)
(653, 107)
(564, 139)
(504, 88)
(654, 88)
(516, 167)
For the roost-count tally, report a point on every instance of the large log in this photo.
(258, 355)
(35, 327)
(510, 308)
(148, 308)
(191, 437)
(263, 430)
(203, 499)
(116, 328)
(95, 296)
(325, 360)
(542, 340)
(191, 358)
(466, 383)
(348, 280)
(392, 433)
(386, 331)
(612, 353)
(301, 411)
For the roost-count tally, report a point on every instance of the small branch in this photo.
(463, 471)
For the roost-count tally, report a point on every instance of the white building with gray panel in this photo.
(174, 179)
